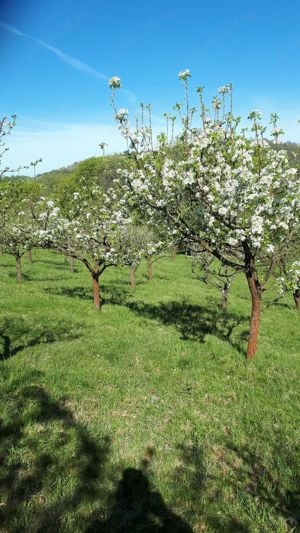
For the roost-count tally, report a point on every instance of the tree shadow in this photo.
(111, 294)
(6, 265)
(238, 474)
(16, 334)
(283, 305)
(262, 483)
(191, 473)
(83, 293)
(55, 477)
(156, 276)
(42, 446)
(115, 294)
(25, 276)
(194, 322)
(53, 262)
(37, 277)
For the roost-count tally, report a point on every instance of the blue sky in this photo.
(56, 57)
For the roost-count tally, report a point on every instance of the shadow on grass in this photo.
(6, 265)
(50, 466)
(25, 276)
(192, 321)
(283, 305)
(55, 477)
(16, 334)
(263, 484)
(193, 490)
(111, 294)
(38, 277)
(156, 276)
(137, 507)
(238, 475)
(53, 262)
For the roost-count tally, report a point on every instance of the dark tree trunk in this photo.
(65, 259)
(256, 292)
(19, 269)
(149, 267)
(174, 253)
(96, 291)
(132, 277)
(72, 261)
(296, 295)
(30, 256)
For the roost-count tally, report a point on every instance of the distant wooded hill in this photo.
(104, 169)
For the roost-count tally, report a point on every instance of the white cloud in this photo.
(59, 144)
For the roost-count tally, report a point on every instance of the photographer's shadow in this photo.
(136, 508)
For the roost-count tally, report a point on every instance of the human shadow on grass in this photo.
(137, 507)
(56, 477)
(192, 321)
(17, 333)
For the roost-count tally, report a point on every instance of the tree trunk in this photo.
(256, 291)
(296, 295)
(30, 256)
(65, 259)
(132, 277)
(19, 269)
(72, 261)
(96, 291)
(224, 298)
(174, 253)
(149, 267)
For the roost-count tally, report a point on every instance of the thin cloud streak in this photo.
(68, 59)
(63, 56)
(72, 61)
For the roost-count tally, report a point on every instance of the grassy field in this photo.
(144, 417)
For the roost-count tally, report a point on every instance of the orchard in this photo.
(224, 194)
(149, 267)
(130, 398)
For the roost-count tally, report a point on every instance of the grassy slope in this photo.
(146, 415)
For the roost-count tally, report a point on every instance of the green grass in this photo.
(145, 416)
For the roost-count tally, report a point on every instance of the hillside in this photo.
(149, 402)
